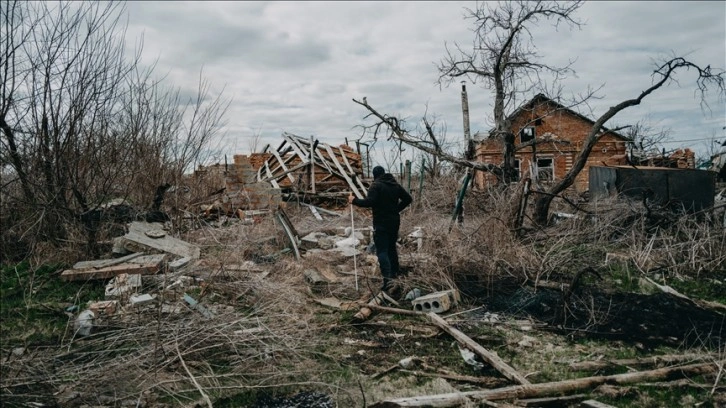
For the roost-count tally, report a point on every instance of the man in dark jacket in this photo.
(387, 199)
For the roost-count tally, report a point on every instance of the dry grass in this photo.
(268, 335)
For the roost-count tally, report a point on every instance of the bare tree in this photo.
(82, 122)
(506, 61)
(706, 78)
(395, 129)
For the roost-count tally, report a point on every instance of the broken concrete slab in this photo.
(312, 240)
(137, 239)
(178, 264)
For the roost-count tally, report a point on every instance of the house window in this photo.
(526, 134)
(545, 169)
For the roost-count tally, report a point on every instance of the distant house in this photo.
(560, 134)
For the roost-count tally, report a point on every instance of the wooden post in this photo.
(312, 164)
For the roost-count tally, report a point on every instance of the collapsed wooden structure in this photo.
(301, 169)
(309, 167)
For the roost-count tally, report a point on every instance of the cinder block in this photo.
(437, 302)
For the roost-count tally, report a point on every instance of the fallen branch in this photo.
(546, 389)
(491, 358)
(639, 362)
(485, 381)
(395, 310)
(194, 380)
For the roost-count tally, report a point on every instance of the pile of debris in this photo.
(300, 169)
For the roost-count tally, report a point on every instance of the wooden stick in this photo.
(491, 358)
(396, 310)
(645, 361)
(194, 380)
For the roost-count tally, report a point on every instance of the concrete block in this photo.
(139, 300)
(437, 302)
(179, 263)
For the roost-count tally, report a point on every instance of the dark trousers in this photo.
(385, 238)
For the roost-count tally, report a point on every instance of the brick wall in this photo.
(564, 133)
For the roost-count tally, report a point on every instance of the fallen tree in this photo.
(551, 388)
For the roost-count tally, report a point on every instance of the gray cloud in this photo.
(296, 66)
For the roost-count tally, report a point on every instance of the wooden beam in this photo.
(456, 399)
(111, 271)
(278, 176)
(491, 358)
(299, 150)
(312, 165)
(640, 362)
(282, 164)
(350, 169)
(343, 173)
(270, 177)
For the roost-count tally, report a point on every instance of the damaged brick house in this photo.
(560, 134)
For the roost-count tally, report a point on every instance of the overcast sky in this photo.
(296, 66)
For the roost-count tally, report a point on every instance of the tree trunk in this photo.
(455, 399)
(542, 208)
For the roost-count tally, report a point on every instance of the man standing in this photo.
(387, 199)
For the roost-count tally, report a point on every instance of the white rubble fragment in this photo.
(84, 323)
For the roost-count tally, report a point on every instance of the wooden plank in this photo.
(595, 404)
(491, 358)
(315, 213)
(312, 165)
(643, 361)
(297, 148)
(342, 171)
(323, 160)
(323, 210)
(455, 399)
(275, 177)
(289, 231)
(282, 164)
(270, 177)
(111, 271)
(102, 263)
(350, 169)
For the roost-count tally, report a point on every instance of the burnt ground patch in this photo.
(646, 320)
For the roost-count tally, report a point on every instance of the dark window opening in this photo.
(526, 134)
